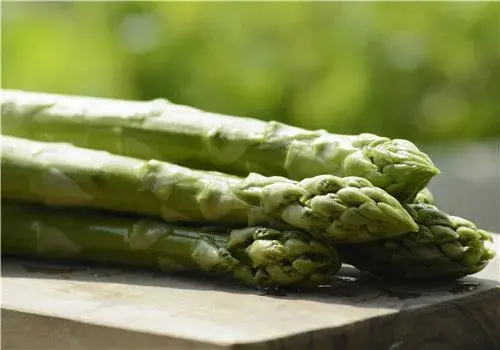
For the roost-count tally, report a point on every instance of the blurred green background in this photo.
(426, 71)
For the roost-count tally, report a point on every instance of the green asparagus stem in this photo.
(444, 247)
(340, 209)
(424, 197)
(257, 256)
(190, 137)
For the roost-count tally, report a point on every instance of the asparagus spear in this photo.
(257, 256)
(341, 209)
(445, 246)
(190, 137)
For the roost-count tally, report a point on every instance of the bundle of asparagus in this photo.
(306, 194)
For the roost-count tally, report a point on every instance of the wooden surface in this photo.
(57, 307)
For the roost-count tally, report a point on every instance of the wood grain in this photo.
(60, 307)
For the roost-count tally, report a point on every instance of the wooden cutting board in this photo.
(60, 307)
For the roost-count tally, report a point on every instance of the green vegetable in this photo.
(190, 137)
(424, 197)
(341, 209)
(444, 247)
(258, 256)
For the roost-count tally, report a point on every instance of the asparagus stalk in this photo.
(445, 246)
(340, 209)
(257, 256)
(190, 137)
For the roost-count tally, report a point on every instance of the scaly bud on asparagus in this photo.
(424, 197)
(445, 246)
